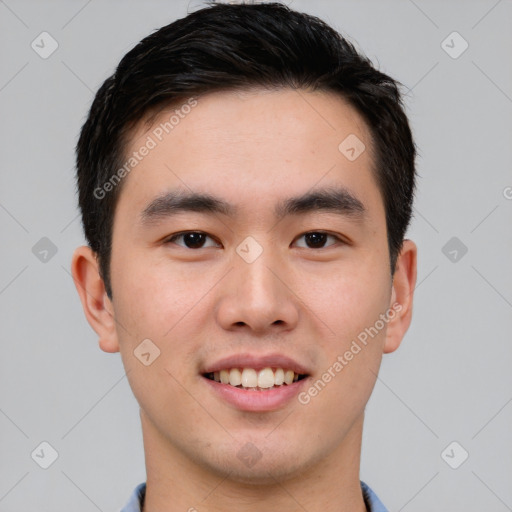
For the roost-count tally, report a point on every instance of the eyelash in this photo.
(337, 239)
(183, 233)
(176, 236)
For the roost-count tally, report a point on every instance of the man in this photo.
(246, 180)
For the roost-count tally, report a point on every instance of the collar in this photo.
(371, 500)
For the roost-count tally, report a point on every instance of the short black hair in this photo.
(226, 47)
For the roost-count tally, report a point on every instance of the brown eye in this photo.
(192, 240)
(316, 240)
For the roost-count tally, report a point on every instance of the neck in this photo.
(177, 484)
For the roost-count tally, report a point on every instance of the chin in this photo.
(252, 467)
(261, 474)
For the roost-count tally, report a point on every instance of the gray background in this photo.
(449, 381)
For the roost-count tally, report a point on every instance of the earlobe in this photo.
(95, 302)
(404, 282)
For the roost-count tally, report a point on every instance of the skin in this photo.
(253, 150)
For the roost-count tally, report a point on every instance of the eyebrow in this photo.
(174, 202)
(335, 200)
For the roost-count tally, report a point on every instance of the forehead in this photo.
(251, 147)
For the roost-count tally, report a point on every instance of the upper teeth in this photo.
(250, 378)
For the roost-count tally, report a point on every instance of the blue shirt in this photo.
(373, 504)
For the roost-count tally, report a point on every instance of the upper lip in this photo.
(257, 362)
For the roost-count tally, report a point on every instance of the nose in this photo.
(257, 298)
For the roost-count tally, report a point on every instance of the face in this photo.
(248, 247)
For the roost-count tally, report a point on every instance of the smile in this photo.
(255, 380)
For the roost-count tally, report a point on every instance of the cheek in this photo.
(349, 306)
(153, 303)
(352, 350)
(347, 298)
(168, 305)
(152, 296)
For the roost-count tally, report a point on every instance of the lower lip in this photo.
(257, 401)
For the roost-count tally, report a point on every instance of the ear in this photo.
(404, 282)
(97, 306)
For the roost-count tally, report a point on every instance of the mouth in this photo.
(252, 379)
(256, 382)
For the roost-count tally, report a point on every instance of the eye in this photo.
(193, 240)
(316, 240)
